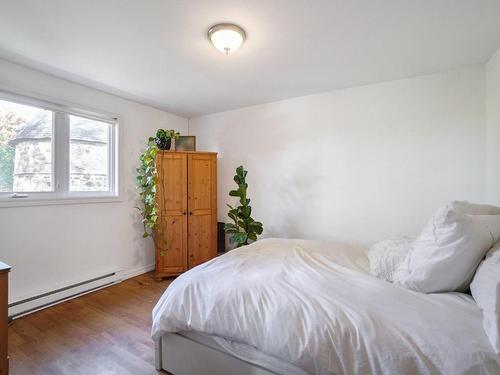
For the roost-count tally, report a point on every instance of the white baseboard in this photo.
(127, 274)
(47, 298)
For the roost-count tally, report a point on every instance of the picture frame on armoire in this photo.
(185, 143)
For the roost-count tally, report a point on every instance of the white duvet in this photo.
(314, 305)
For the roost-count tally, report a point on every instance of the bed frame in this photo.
(182, 355)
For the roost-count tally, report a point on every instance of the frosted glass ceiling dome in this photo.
(226, 37)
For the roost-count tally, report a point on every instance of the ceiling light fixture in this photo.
(226, 37)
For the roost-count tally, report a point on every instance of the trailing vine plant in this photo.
(245, 228)
(146, 177)
(146, 185)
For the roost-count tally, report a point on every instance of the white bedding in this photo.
(314, 305)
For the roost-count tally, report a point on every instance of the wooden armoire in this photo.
(186, 230)
(4, 280)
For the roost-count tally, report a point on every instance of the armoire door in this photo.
(202, 206)
(171, 229)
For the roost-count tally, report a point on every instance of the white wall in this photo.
(53, 246)
(358, 164)
(493, 127)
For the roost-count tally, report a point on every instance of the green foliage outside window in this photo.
(9, 122)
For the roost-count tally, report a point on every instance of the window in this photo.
(52, 152)
(88, 154)
(25, 148)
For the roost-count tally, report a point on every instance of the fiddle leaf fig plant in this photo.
(245, 228)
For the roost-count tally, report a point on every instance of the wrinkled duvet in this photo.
(314, 305)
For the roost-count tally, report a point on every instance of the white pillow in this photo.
(385, 256)
(445, 255)
(465, 207)
(485, 289)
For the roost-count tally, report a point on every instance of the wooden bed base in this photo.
(181, 355)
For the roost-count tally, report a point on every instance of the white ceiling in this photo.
(156, 51)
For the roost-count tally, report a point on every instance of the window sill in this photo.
(26, 202)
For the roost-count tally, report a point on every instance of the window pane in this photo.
(89, 152)
(25, 148)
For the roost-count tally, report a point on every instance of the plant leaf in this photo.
(245, 227)
(234, 193)
(252, 236)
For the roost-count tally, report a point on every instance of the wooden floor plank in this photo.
(106, 332)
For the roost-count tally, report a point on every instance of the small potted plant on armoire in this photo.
(179, 193)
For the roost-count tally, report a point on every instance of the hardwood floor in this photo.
(102, 333)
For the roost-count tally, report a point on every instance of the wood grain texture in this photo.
(202, 205)
(171, 230)
(102, 333)
(4, 280)
(186, 232)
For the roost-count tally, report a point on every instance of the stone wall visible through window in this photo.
(89, 166)
(32, 166)
(25, 148)
(88, 158)
(30, 162)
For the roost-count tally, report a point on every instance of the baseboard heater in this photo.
(32, 304)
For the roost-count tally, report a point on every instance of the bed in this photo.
(282, 306)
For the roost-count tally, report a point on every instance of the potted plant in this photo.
(164, 137)
(146, 177)
(245, 228)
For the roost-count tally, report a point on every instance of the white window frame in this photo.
(61, 156)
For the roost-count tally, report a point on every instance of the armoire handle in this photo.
(184, 213)
(190, 213)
